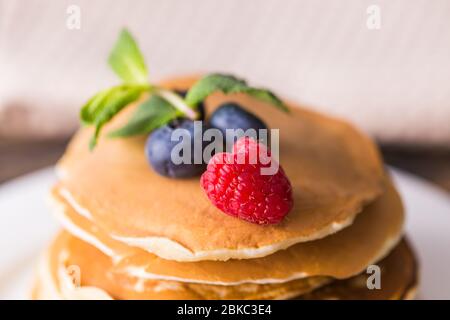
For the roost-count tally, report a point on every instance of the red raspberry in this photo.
(240, 190)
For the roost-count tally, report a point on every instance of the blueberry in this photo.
(159, 148)
(230, 115)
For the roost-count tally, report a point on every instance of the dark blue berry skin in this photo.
(159, 146)
(232, 116)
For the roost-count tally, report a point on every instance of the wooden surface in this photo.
(20, 157)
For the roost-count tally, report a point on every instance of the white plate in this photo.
(27, 226)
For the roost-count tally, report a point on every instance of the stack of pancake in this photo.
(132, 234)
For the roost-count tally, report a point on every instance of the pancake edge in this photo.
(171, 250)
(58, 211)
(45, 288)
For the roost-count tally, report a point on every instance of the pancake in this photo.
(334, 170)
(373, 234)
(68, 251)
(398, 279)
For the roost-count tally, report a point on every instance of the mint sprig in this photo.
(105, 105)
(163, 105)
(127, 61)
(229, 84)
(151, 114)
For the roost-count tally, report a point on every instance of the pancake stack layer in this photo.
(132, 234)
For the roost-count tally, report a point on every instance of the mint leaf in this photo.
(265, 96)
(127, 61)
(229, 84)
(151, 114)
(210, 84)
(93, 106)
(104, 106)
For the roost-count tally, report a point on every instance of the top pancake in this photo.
(334, 170)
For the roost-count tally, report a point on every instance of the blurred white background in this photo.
(393, 81)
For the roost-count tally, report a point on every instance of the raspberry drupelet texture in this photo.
(239, 189)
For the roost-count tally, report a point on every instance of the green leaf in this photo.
(127, 61)
(265, 96)
(93, 106)
(229, 84)
(210, 84)
(151, 114)
(103, 108)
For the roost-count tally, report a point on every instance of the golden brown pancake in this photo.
(398, 280)
(342, 255)
(334, 169)
(97, 272)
